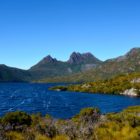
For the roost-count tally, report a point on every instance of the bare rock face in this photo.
(78, 58)
(133, 52)
(48, 59)
(136, 80)
(130, 92)
(75, 58)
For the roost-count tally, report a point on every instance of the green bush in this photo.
(14, 136)
(17, 118)
(132, 109)
(61, 137)
(125, 117)
(87, 114)
(89, 111)
(115, 85)
(88, 124)
(41, 137)
(116, 131)
(36, 118)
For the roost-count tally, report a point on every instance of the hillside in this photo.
(127, 84)
(51, 67)
(9, 74)
(78, 68)
(128, 63)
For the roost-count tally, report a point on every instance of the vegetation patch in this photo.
(116, 85)
(89, 124)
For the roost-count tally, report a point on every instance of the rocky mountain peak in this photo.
(88, 54)
(75, 58)
(133, 52)
(49, 59)
(78, 58)
(44, 62)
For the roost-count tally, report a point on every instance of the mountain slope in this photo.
(127, 63)
(79, 68)
(9, 74)
(51, 67)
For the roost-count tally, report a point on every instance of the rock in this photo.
(78, 58)
(48, 59)
(130, 92)
(136, 80)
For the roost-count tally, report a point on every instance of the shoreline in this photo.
(121, 94)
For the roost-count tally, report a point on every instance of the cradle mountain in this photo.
(78, 68)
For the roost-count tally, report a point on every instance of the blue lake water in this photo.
(34, 98)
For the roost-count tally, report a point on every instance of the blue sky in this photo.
(32, 29)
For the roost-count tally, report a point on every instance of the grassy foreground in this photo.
(89, 124)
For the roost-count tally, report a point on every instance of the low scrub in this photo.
(89, 124)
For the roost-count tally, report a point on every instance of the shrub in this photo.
(36, 118)
(14, 136)
(89, 111)
(61, 137)
(87, 115)
(17, 118)
(132, 109)
(115, 131)
(41, 137)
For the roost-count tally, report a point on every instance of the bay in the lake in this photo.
(34, 98)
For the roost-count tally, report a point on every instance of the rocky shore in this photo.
(128, 84)
(130, 92)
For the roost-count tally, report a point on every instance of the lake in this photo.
(34, 98)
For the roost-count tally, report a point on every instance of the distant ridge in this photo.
(128, 63)
(9, 74)
(79, 67)
(51, 67)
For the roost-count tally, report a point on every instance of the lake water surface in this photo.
(34, 98)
